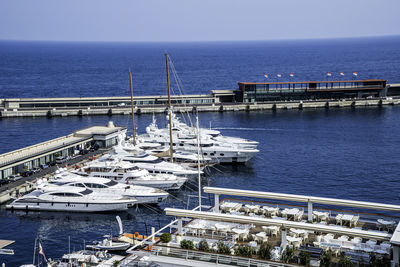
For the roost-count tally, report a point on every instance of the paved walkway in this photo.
(49, 170)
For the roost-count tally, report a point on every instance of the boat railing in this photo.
(211, 257)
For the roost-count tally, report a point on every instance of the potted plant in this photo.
(203, 246)
(326, 259)
(288, 254)
(165, 239)
(187, 244)
(265, 251)
(345, 261)
(305, 258)
(244, 251)
(223, 248)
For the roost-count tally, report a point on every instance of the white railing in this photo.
(213, 257)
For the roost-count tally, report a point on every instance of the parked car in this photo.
(36, 169)
(27, 173)
(94, 148)
(14, 177)
(60, 160)
(4, 181)
(83, 151)
(44, 166)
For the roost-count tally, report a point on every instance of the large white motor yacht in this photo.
(153, 164)
(74, 199)
(223, 150)
(127, 173)
(142, 194)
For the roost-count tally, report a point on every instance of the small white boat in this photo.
(109, 244)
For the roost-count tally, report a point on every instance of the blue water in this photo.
(346, 153)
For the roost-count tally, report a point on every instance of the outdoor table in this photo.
(270, 210)
(252, 208)
(386, 224)
(261, 236)
(222, 227)
(343, 238)
(320, 214)
(347, 218)
(297, 232)
(239, 231)
(293, 239)
(292, 213)
(231, 206)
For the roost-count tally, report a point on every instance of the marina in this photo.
(291, 169)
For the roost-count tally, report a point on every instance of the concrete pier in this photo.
(220, 107)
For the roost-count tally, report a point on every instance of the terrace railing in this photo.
(210, 257)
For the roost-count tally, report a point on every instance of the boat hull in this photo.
(70, 207)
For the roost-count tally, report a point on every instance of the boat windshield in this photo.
(86, 192)
(111, 183)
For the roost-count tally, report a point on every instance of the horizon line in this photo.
(200, 41)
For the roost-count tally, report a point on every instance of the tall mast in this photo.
(133, 114)
(198, 157)
(171, 148)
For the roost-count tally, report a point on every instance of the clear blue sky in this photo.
(200, 20)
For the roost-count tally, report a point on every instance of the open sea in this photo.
(345, 153)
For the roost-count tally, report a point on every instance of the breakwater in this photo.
(65, 109)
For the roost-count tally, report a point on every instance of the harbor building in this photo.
(310, 90)
(66, 146)
(248, 96)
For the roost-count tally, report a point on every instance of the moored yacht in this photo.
(74, 199)
(127, 173)
(153, 164)
(142, 194)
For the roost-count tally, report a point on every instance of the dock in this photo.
(4, 244)
(65, 150)
(249, 97)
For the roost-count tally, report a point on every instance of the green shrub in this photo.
(244, 251)
(305, 258)
(187, 244)
(379, 261)
(165, 238)
(265, 251)
(203, 245)
(223, 248)
(326, 259)
(288, 255)
(345, 261)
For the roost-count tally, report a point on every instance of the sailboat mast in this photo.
(198, 157)
(171, 148)
(132, 107)
(34, 252)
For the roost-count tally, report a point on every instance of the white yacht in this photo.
(182, 130)
(153, 164)
(142, 194)
(220, 149)
(219, 152)
(127, 173)
(74, 199)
